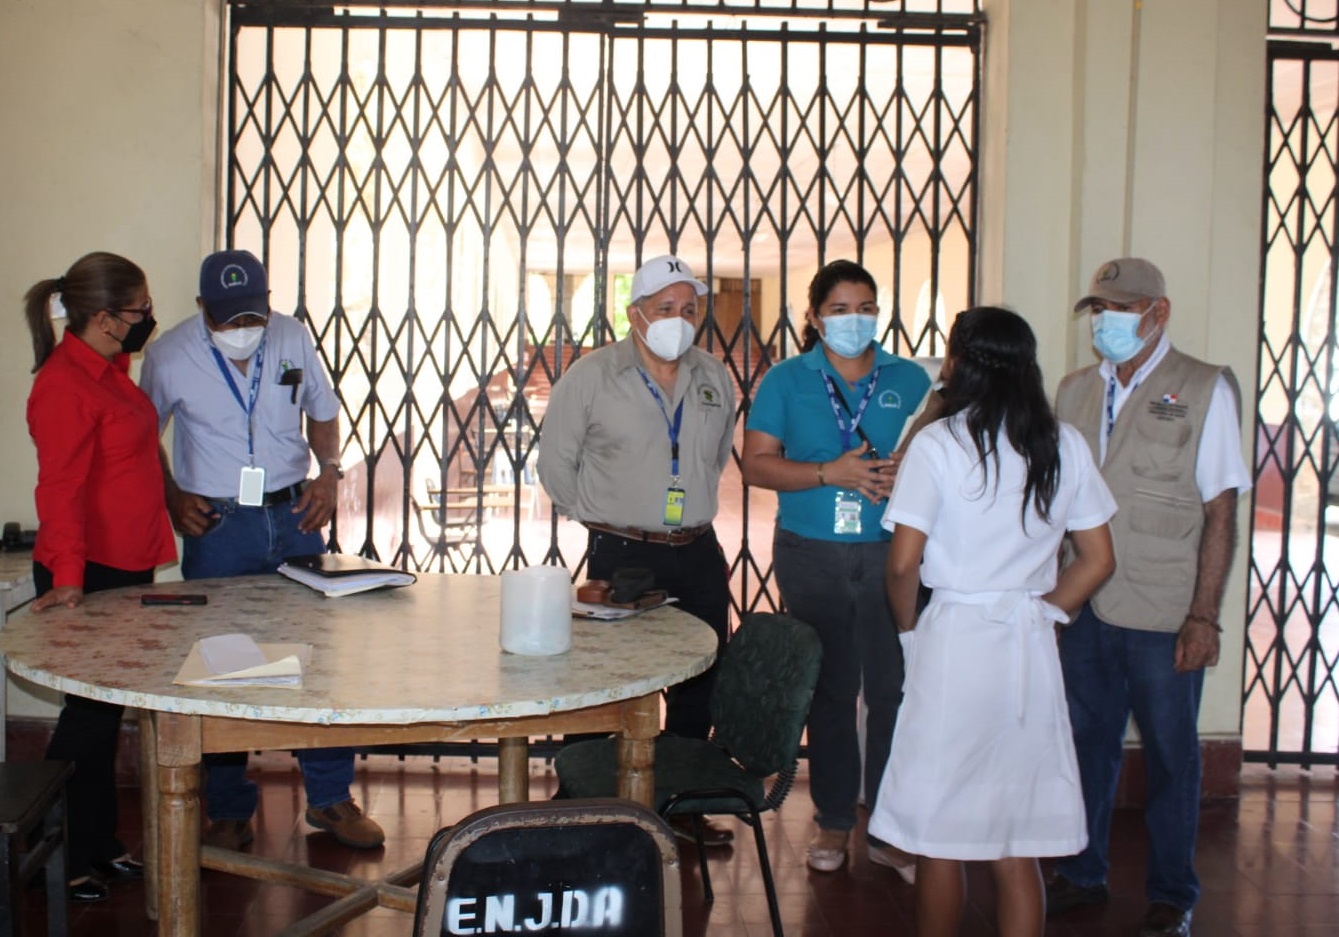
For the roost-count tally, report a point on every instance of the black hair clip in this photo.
(292, 378)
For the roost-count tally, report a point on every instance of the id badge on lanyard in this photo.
(674, 494)
(251, 480)
(848, 506)
(846, 516)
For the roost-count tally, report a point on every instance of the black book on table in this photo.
(335, 574)
(341, 564)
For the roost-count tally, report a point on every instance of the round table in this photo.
(414, 664)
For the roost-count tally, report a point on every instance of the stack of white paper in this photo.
(346, 583)
(237, 660)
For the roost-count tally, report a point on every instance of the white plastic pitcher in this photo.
(536, 610)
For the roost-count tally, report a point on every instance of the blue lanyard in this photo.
(248, 406)
(1111, 403)
(849, 431)
(672, 427)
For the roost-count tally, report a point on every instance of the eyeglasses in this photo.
(144, 311)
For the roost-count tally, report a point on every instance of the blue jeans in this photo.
(1110, 673)
(248, 541)
(838, 590)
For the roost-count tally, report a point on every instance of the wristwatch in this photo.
(339, 472)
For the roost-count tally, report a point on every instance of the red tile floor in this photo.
(1269, 863)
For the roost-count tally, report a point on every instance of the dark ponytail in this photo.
(95, 282)
(996, 381)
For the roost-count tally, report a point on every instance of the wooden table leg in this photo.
(513, 770)
(148, 795)
(178, 825)
(637, 749)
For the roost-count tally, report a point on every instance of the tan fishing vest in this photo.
(1150, 468)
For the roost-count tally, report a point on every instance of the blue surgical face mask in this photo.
(850, 334)
(1115, 335)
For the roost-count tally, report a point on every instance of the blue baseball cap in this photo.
(232, 284)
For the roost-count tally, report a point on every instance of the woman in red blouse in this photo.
(102, 518)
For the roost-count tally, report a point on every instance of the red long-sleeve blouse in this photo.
(99, 482)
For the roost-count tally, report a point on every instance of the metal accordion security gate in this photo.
(1291, 702)
(453, 198)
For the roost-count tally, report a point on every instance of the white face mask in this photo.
(668, 338)
(238, 344)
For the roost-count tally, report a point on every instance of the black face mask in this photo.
(138, 335)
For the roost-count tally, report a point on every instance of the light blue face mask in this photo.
(850, 334)
(1115, 335)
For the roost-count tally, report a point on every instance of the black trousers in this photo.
(698, 576)
(86, 734)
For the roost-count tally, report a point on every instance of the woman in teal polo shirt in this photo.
(822, 433)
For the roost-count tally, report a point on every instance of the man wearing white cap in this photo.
(634, 440)
(1166, 430)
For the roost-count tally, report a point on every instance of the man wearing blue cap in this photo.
(239, 379)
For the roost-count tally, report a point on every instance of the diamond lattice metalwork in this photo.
(1291, 704)
(454, 198)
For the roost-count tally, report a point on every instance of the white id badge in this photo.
(251, 487)
(846, 516)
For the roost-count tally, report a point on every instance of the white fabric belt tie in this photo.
(1028, 611)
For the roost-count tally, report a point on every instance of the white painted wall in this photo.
(1131, 127)
(1110, 127)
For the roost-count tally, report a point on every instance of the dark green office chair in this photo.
(764, 685)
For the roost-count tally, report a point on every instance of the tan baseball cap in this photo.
(1124, 280)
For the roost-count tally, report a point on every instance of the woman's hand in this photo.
(873, 478)
(69, 596)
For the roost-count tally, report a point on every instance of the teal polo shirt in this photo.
(792, 405)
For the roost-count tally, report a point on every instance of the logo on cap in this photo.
(232, 276)
(1110, 272)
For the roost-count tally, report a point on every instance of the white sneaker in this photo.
(827, 850)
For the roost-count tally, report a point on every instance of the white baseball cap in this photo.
(660, 272)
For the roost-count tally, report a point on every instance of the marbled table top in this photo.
(424, 653)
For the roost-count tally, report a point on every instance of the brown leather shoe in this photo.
(713, 834)
(1165, 920)
(228, 834)
(349, 825)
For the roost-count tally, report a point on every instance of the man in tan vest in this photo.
(1166, 430)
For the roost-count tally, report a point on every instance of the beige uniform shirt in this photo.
(604, 448)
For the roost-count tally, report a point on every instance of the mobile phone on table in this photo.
(173, 598)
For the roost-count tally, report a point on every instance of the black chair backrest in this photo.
(590, 866)
(764, 685)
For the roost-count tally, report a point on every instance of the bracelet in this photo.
(821, 480)
(1205, 621)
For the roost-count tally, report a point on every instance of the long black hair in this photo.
(996, 382)
(823, 283)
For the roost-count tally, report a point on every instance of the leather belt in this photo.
(673, 538)
(283, 495)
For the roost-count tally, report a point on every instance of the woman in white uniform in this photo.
(982, 761)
